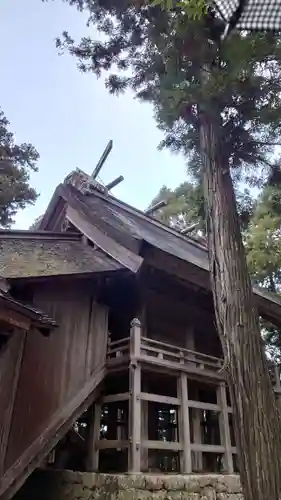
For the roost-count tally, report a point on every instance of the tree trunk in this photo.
(255, 413)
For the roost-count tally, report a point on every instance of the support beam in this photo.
(134, 459)
(144, 432)
(224, 427)
(111, 444)
(162, 445)
(184, 428)
(197, 435)
(115, 398)
(93, 440)
(197, 457)
(142, 314)
(157, 398)
(135, 419)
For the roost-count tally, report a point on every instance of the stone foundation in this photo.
(68, 485)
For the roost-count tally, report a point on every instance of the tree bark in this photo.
(255, 413)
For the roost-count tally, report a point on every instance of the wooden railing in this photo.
(137, 351)
(178, 355)
(172, 357)
(118, 348)
(163, 354)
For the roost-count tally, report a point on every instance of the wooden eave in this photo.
(128, 258)
(16, 314)
(24, 256)
(119, 253)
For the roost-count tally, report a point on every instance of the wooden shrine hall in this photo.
(109, 357)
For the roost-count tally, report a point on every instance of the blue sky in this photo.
(70, 117)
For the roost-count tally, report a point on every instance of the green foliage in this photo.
(160, 55)
(185, 206)
(16, 163)
(263, 240)
(261, 225)
(263, 246)
(195, 9)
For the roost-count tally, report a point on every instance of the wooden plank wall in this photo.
(166, 319)
(54, 369)
(175, 322)
(10, 363)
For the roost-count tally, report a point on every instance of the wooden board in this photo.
(98, 338)
(10, 363)
(54, 369)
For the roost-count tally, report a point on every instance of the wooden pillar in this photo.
(224, 427)
(184, 429)
(144, 434)
(144, 404)
(134, 459)
(196, 414)
(93, 437)
(197, 434)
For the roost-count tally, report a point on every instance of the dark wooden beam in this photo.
(115, 182)
(102, 159)
(15, 319)
(154, 208)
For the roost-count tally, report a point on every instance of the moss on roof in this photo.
(26, 257)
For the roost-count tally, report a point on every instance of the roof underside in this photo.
(119, 220)
(27, 257)
(109, 215)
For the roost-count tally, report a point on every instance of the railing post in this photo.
(94, 435)
(135, 338)
(134, 458)
(184, 429)
(224, 426)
